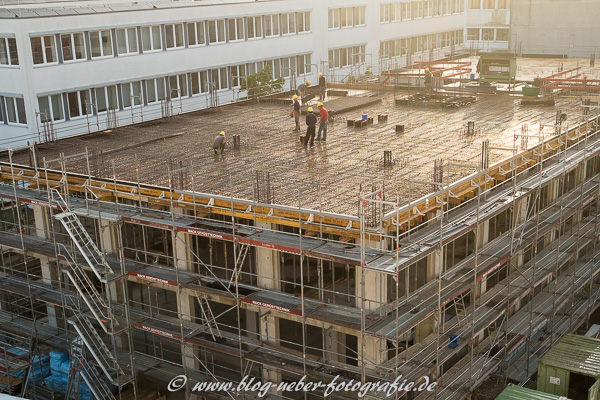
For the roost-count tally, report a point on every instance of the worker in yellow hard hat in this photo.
(322, 87)
(219, 143)
(323, 118)
(311, 125)
(428, 80)
(296, 112)
(303, 90)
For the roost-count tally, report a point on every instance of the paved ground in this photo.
(351, 158)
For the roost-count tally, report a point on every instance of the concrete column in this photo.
(42, 223)
(182, 243)
(374, 352)
(375, 285)
(334, 345)
(268, 269)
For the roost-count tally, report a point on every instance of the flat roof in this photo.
(328, 177)
(514, 392)
(575, 353)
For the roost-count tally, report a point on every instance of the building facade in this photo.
(71, 70)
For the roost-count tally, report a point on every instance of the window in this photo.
(428, 5)
(196, 36)
(304, 21)
(127, 41)
(254, 27)
(303, 64)
(106, 99)
(236, 29)
(216, 31)
(155, 90)
(199, 82)
(151, 38)
(131, 93)
(271, 25)
(288, 24)
(384, 12)
(474, 4)
(487, 34)
(288, 65)
(178, 86)
(489, 4)
(502, 35)
(15, 110)
(43, 49)
(347, 17)
(238, 72)
(334, 18)
(219, 79)
(503, 4)
(8, 51)
(396, 11)
(174, 36)
(101, 44)
(73, 46)
(51, 108)
(79, 103)
(472, 34)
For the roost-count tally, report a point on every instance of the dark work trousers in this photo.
(310, 135)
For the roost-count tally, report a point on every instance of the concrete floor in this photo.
(327, 177)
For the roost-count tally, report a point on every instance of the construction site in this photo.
(446, 235)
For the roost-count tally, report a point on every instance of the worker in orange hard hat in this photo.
(219, 143)
(322, 86)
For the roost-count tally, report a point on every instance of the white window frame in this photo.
(105, 90)
(202, 80)
(194, 26)
(361, 13)
(334, 20)
(221, 74)
(347, 17)
(305, 17)
(238, 73)
(385, 12)
(51, 108)
(125, 32)
(178, 42)
(273, 25)
(71, 38)
(17, 102)
(155, 82)
(138, 98)
(289, 17)
(181, 91)
(100, 38)
(254, 24)
(150, 29)
(89, 109)
(4, 44)
(218, 37)
(237, 34)
(43, 40)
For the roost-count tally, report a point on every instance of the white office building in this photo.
(68, 68)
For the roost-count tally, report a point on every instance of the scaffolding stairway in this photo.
(88, 338)
(82, 369)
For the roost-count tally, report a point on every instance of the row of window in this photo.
(489, 4)
(8, 51)
(12, 111)
(403, 11)
(149, 91)
(347, 56)
(401, 47)
(137, 40)
(488, 34)
(346, 17)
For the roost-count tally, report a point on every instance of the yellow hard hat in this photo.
(310, 109)
(320, 105)
(294, 97)
(427, 69)
(319, 74)
(222, 133)
(309, 83)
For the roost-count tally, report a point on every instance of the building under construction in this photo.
(447, 243)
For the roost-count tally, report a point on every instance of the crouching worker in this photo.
(219, 143)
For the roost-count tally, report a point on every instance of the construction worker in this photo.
(427, 79)
(296, 113)
(219, 143)
(311, 125)
(322, 86)
(323, 118)
(303, 91)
